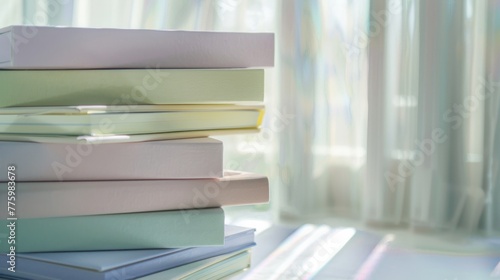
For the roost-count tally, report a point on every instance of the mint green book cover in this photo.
(148, 230)
(129, 87)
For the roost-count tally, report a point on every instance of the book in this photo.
(46, 47)
(108, 139)
(120, 161)
(129, 87)
(149, 230)
(128, 121)
(59, 199)
(218, 267)
(126, 264)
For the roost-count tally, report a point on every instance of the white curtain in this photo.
(379, 111)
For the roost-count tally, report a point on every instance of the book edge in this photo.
(5, 47)
(237, 182)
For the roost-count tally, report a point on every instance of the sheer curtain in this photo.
(396, 113)
(383, 112)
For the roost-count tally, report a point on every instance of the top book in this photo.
(45, 47)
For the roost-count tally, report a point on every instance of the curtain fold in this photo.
(491, 85)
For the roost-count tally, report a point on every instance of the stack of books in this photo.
(108, 171)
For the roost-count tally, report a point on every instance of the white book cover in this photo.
(58, 199)
(110, 139)
(46, 47)
(185, 158)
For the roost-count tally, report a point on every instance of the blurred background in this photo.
(380, 113)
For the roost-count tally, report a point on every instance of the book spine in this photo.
(129, 87)
(137, 124)
(123, 161)
(167, 229)
(61, 48)
(58, 199)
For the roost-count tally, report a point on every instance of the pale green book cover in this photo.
(103, 123)
(129, 87)
(164, 229)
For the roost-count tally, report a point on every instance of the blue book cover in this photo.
(124, 264)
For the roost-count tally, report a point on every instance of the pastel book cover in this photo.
(149, 230)
(127, 122)
(78, 198)
(97, 48)
(123, 138)
(124, 264)
(219, 267)
(127, 87)
(119, 161)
